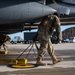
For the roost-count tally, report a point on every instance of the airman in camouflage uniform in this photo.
(3, 39)
(45, 30)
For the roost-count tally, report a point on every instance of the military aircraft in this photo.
(66, 8)
(16, 14)
(19, 15)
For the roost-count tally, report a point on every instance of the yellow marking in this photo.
(23, 66)
(21, 61)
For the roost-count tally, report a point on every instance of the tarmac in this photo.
(64, 50)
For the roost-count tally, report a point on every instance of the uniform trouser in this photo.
(45, 46)
(4, 46)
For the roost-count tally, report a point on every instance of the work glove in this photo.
(59, 41)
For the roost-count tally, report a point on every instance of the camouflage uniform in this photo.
(45, 30)
(3, 39)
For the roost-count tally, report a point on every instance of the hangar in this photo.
(70, 32)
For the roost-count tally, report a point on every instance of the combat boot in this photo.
(40, 62)
(6, 52)
(55, 60)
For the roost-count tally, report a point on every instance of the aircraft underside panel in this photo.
(24, 12)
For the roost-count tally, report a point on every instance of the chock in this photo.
(21, 61)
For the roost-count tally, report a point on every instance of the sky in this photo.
(21, 34)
